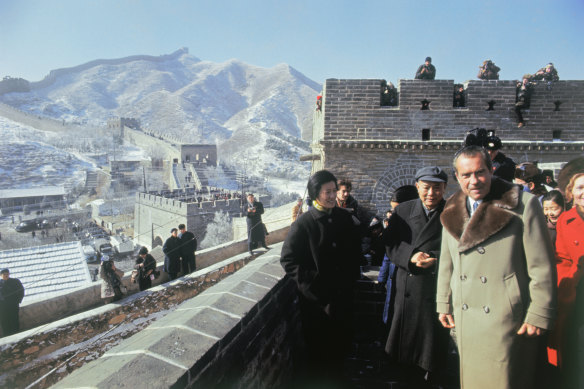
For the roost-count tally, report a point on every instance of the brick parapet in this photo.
(352, 110)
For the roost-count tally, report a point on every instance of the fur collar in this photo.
(494, 213)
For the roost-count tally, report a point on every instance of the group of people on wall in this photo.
(491, 273)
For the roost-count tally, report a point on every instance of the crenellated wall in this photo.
(155, 215)
(379, 148)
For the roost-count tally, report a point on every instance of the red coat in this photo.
(569, 254)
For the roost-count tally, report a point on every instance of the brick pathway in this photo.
(368, 366)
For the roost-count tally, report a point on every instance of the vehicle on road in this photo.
(27, 225)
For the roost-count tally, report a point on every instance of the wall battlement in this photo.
(352, 110)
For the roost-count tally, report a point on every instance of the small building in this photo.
(205, 154)
(49, 270)
(18, 200)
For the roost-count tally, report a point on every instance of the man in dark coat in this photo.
(255, 226)
(523, 99)
(11, 295)
(416, 339)
(188, 246)
(426, 71)
(172, 254)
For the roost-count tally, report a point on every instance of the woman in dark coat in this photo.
(146, 265)
(322, 254)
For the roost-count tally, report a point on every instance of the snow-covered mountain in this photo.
(258, 117)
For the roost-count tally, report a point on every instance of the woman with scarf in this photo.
(322, 255)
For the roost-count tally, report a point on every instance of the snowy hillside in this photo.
(28, 159)
(256, 116)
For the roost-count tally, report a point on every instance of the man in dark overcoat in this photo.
(11, 295)
(416, 339)
(255, 226)
(188, 246)
(172, 254)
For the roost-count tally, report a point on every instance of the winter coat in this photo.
(145, 271)
(416, 336)
(255, 227)
(172, 254)
(428, 75)
(111, 282)
(321, 254)
(11, 295)
(570, 266)
(496, 271)
(188, 245)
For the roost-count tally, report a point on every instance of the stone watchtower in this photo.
(379, 148)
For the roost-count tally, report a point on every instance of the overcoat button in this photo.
(576, 242)
(334, 244)
(486, 309)
(481, 250)
(330, 220)
(463, 277)
(483, 279)
(410, 274)
(464, 307)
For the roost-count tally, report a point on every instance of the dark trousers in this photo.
(172, 276)
(9, 319)
(188, 265)
(144, 283)
(518, 107)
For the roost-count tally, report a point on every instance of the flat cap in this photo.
(432, 174)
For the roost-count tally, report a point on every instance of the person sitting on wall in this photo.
(426, 71)
(459, 99)
(319, 102)
(488, 71)
(389, 95)
(547, 73)
(523, 99)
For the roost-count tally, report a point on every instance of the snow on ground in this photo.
(27, 160)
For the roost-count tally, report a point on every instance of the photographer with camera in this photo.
(488, 71)
(427, 71)
(503, 167)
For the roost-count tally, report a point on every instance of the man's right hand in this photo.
(446, 319)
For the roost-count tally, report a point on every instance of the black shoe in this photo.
(251, 253)
(266, 247)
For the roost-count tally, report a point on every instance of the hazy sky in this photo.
(322, 39)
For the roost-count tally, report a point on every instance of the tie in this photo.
(474, 207)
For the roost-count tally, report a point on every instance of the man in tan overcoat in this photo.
(496, 277)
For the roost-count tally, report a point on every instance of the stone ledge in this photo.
(168, 350)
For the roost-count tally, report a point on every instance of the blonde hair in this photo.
(570, 185)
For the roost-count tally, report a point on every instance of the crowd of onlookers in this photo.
(490, 274)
